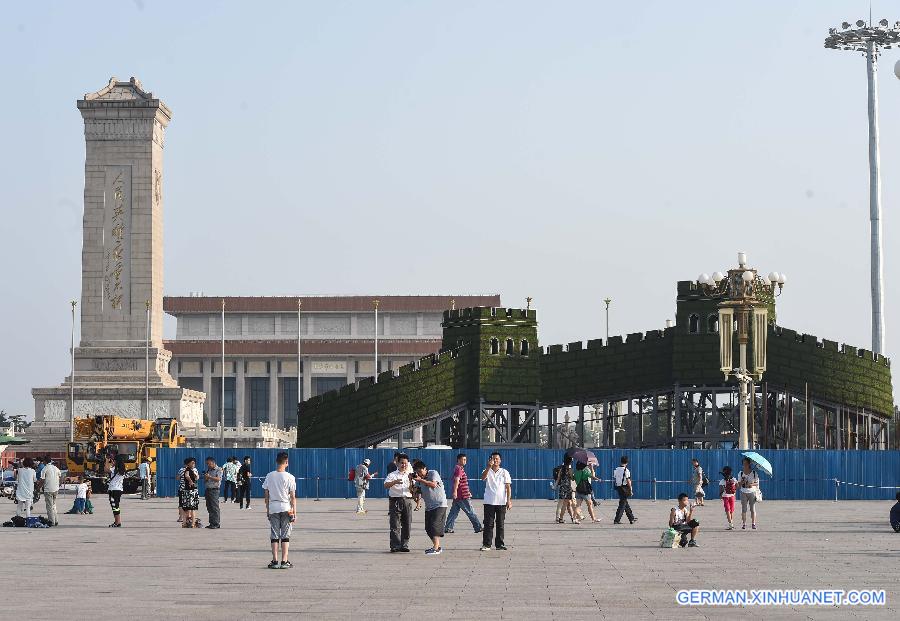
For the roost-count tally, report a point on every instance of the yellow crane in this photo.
(102, 438)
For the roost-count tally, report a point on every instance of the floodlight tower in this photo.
(870, 39)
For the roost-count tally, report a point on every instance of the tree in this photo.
(16, 421)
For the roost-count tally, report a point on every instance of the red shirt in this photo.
(462, 490)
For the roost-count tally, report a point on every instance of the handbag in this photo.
(573, 485)
(671, 538)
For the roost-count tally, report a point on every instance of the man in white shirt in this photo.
(25, 478)
(280, 496)
(622, 483)
(363, 476)
(50, 486)
(399, 486)
(497, 501)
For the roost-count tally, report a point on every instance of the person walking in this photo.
(697, 481)
(435, 498)
(188, 496)
(229, 485)
(749, 482)
(280, 497)
(50, 476)
(399, 486)
(115, 487)
(681, 519)
(622, 483)
(461, 496)
(584, 489)
(25, 480)
(497, 501)
(144, 474)
(727, 489)
(245, 482)
(565, 492)
(213, 479)
(363, 476)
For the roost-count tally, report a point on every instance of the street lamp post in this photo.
(375, 303)
(72, 378)
(745, 298)
(870, 39)
(147, 365)
(607, 302)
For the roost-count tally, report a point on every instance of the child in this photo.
(895, 515)
(81, 491)
(88, 505)
(727, 489)
(681, 519)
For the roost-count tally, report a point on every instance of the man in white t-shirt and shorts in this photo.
(280, 496)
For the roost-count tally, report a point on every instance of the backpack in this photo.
(730, 486)
(351, 476)
(705, 481)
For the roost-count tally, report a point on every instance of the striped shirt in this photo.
(462, 490)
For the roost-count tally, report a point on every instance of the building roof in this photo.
(176, 305)
(388, 347)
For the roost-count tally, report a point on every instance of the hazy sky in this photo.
(566, 151)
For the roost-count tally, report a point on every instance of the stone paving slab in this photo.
(152, 569)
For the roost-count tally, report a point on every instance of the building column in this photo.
(307, 378)
(273, 393)
(351, 371)
(239, 393)
(207, 388)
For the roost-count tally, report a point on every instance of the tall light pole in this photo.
(147, 365)
(375, 303)
(299, 364)
(222, 396)
(745, 297)
(870, 39)
(607, 302)
(72, 378)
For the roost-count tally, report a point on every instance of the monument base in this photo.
(112, 381)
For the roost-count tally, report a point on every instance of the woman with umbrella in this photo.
(749, 482)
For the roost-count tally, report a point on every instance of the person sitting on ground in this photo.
(895, 515)
(680, 518)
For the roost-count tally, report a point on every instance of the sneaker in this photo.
(753, 526)
(403, 549)
(273, 565)
(450, 530)
(743, 527)
(634, 520)
(501, 547)
(693, 544)
(432, 551)
(485, 548)
(476, 532)
(729, 527)
(249, 507)
(287, 565)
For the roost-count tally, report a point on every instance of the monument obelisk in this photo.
(121, 272)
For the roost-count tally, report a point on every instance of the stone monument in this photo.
(121, 273)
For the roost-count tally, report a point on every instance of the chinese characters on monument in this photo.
(116, 237)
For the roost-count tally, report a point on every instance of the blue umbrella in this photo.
(760, 461)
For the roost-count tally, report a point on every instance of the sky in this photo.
(564, 151)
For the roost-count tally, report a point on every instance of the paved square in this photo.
(151, 568)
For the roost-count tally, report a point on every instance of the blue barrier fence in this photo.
(657, 473)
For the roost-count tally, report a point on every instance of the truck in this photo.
(100, 440)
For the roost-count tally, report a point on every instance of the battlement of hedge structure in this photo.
(355, 412)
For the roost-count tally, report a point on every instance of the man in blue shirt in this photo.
(144, 473)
